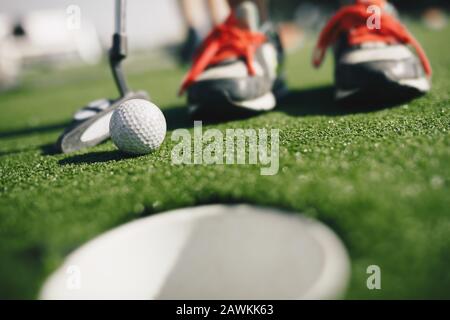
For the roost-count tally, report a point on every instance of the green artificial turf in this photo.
(379, 178)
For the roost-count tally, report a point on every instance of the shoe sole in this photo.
(221, 105)
(388, 92)
(228, 109)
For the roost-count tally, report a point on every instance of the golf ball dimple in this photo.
(138, 127)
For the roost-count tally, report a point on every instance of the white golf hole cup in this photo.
(211, 252)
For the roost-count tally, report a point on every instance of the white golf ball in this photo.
(138, 127)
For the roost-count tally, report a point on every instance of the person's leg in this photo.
(216, 10)
(193, 38)
(187, 11)
(262, 6)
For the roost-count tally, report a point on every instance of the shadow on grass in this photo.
(46, 150)
(14, 152)
(33, 130)
(179, 118)
(50, 149)
(320, 101)
(96, 157)
(299, 103)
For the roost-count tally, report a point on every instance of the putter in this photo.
(91, 132)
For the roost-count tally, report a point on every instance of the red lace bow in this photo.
(354, 18)
(226, 41)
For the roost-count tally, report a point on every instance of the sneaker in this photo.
(376, 62)
(236, 67)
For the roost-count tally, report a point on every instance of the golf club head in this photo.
(95, 130)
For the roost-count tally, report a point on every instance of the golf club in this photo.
(94, 130)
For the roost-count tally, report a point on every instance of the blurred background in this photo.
(67, 33)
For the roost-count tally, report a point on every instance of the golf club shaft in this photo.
(120, 47)
(121, 7)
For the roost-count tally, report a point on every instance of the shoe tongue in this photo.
(248, 15)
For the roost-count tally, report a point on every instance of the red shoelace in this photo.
(353, 20)
(226, 41)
